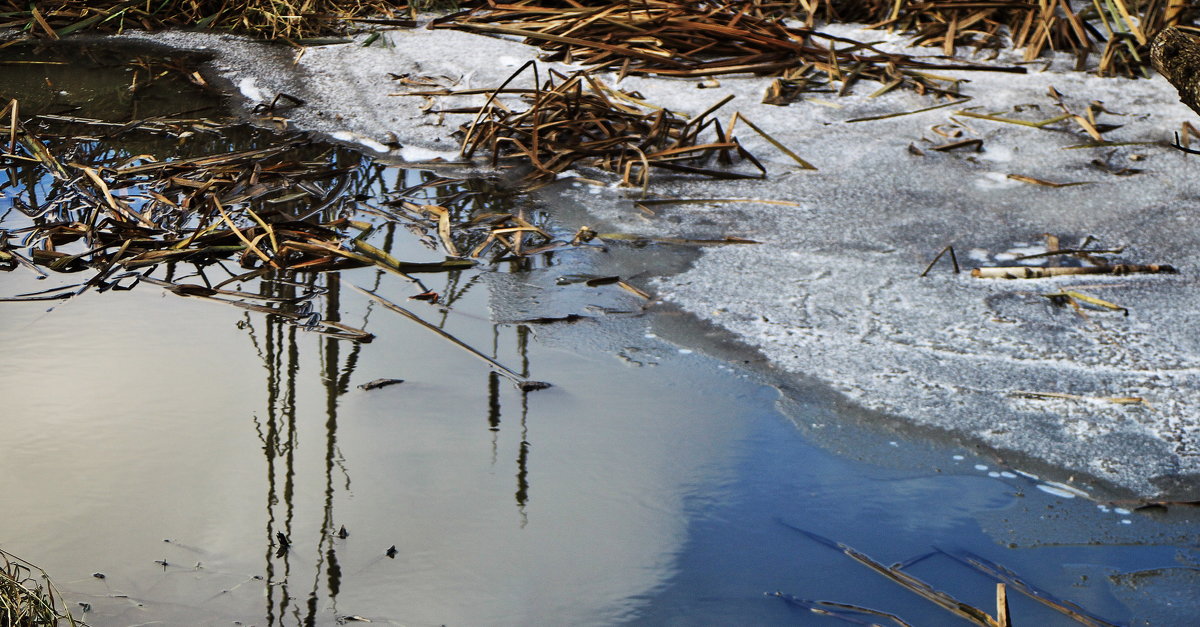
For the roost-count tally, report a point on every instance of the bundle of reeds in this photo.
(678, 38)
(286, 205)
(690, 39)
(578, 120)
(27, 598)
(273, 19)
(1120, 30)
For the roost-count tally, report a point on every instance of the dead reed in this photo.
(578, 120)
(677, 38)
(27, 597)
(1004, 578)
(271, 19)
(283, 206)
(699, 39)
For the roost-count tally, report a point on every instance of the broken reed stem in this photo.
(1002, 619)
(1029, 272)
(953, 259)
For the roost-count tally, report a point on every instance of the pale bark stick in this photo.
(1028, 272)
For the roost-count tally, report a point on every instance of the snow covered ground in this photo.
(834, 292)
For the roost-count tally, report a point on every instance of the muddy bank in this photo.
(834, 290)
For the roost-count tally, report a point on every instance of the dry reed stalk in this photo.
(577, 120)
(27, 597)
(272, 19)
(697, 39)
(650, 32)
(1031, 272)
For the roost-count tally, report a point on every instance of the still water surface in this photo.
(166, 443)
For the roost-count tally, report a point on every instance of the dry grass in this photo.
(1119, 30)
(673, 37)
(27, 598)
(695, 39)
(578, 120)
(272, 19)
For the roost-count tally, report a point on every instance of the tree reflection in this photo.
(282, 346)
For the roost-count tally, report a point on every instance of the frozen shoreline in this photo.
(833, 292)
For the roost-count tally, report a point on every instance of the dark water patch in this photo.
(102, 81)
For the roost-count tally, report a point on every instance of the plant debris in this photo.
(702, 39)
(27, 597)
(1004, 578)
(1074, 298)
(295, 20)
(1044, 183)
(375, 385)
(1117, 400)
(284, 206)
(1031, 272)
(578, 120)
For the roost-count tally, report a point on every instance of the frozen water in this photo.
(833, 292)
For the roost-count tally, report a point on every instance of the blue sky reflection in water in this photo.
(165, 442)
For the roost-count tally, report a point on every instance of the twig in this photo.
(953, 259)
(1024, 272)
(520, 381)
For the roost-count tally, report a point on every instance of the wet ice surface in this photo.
(833, 292)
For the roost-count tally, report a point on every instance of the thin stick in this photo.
(1002, 606)
(520, 381)
(1026, 272)
(784, 149)
(953, 259)
(902, 113)
(1073, 251)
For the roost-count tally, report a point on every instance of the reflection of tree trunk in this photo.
(280, 353)
(522, 493)
(278, 435)
(1176, 55)
(336, 383)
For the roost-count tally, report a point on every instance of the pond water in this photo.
(174, 460)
